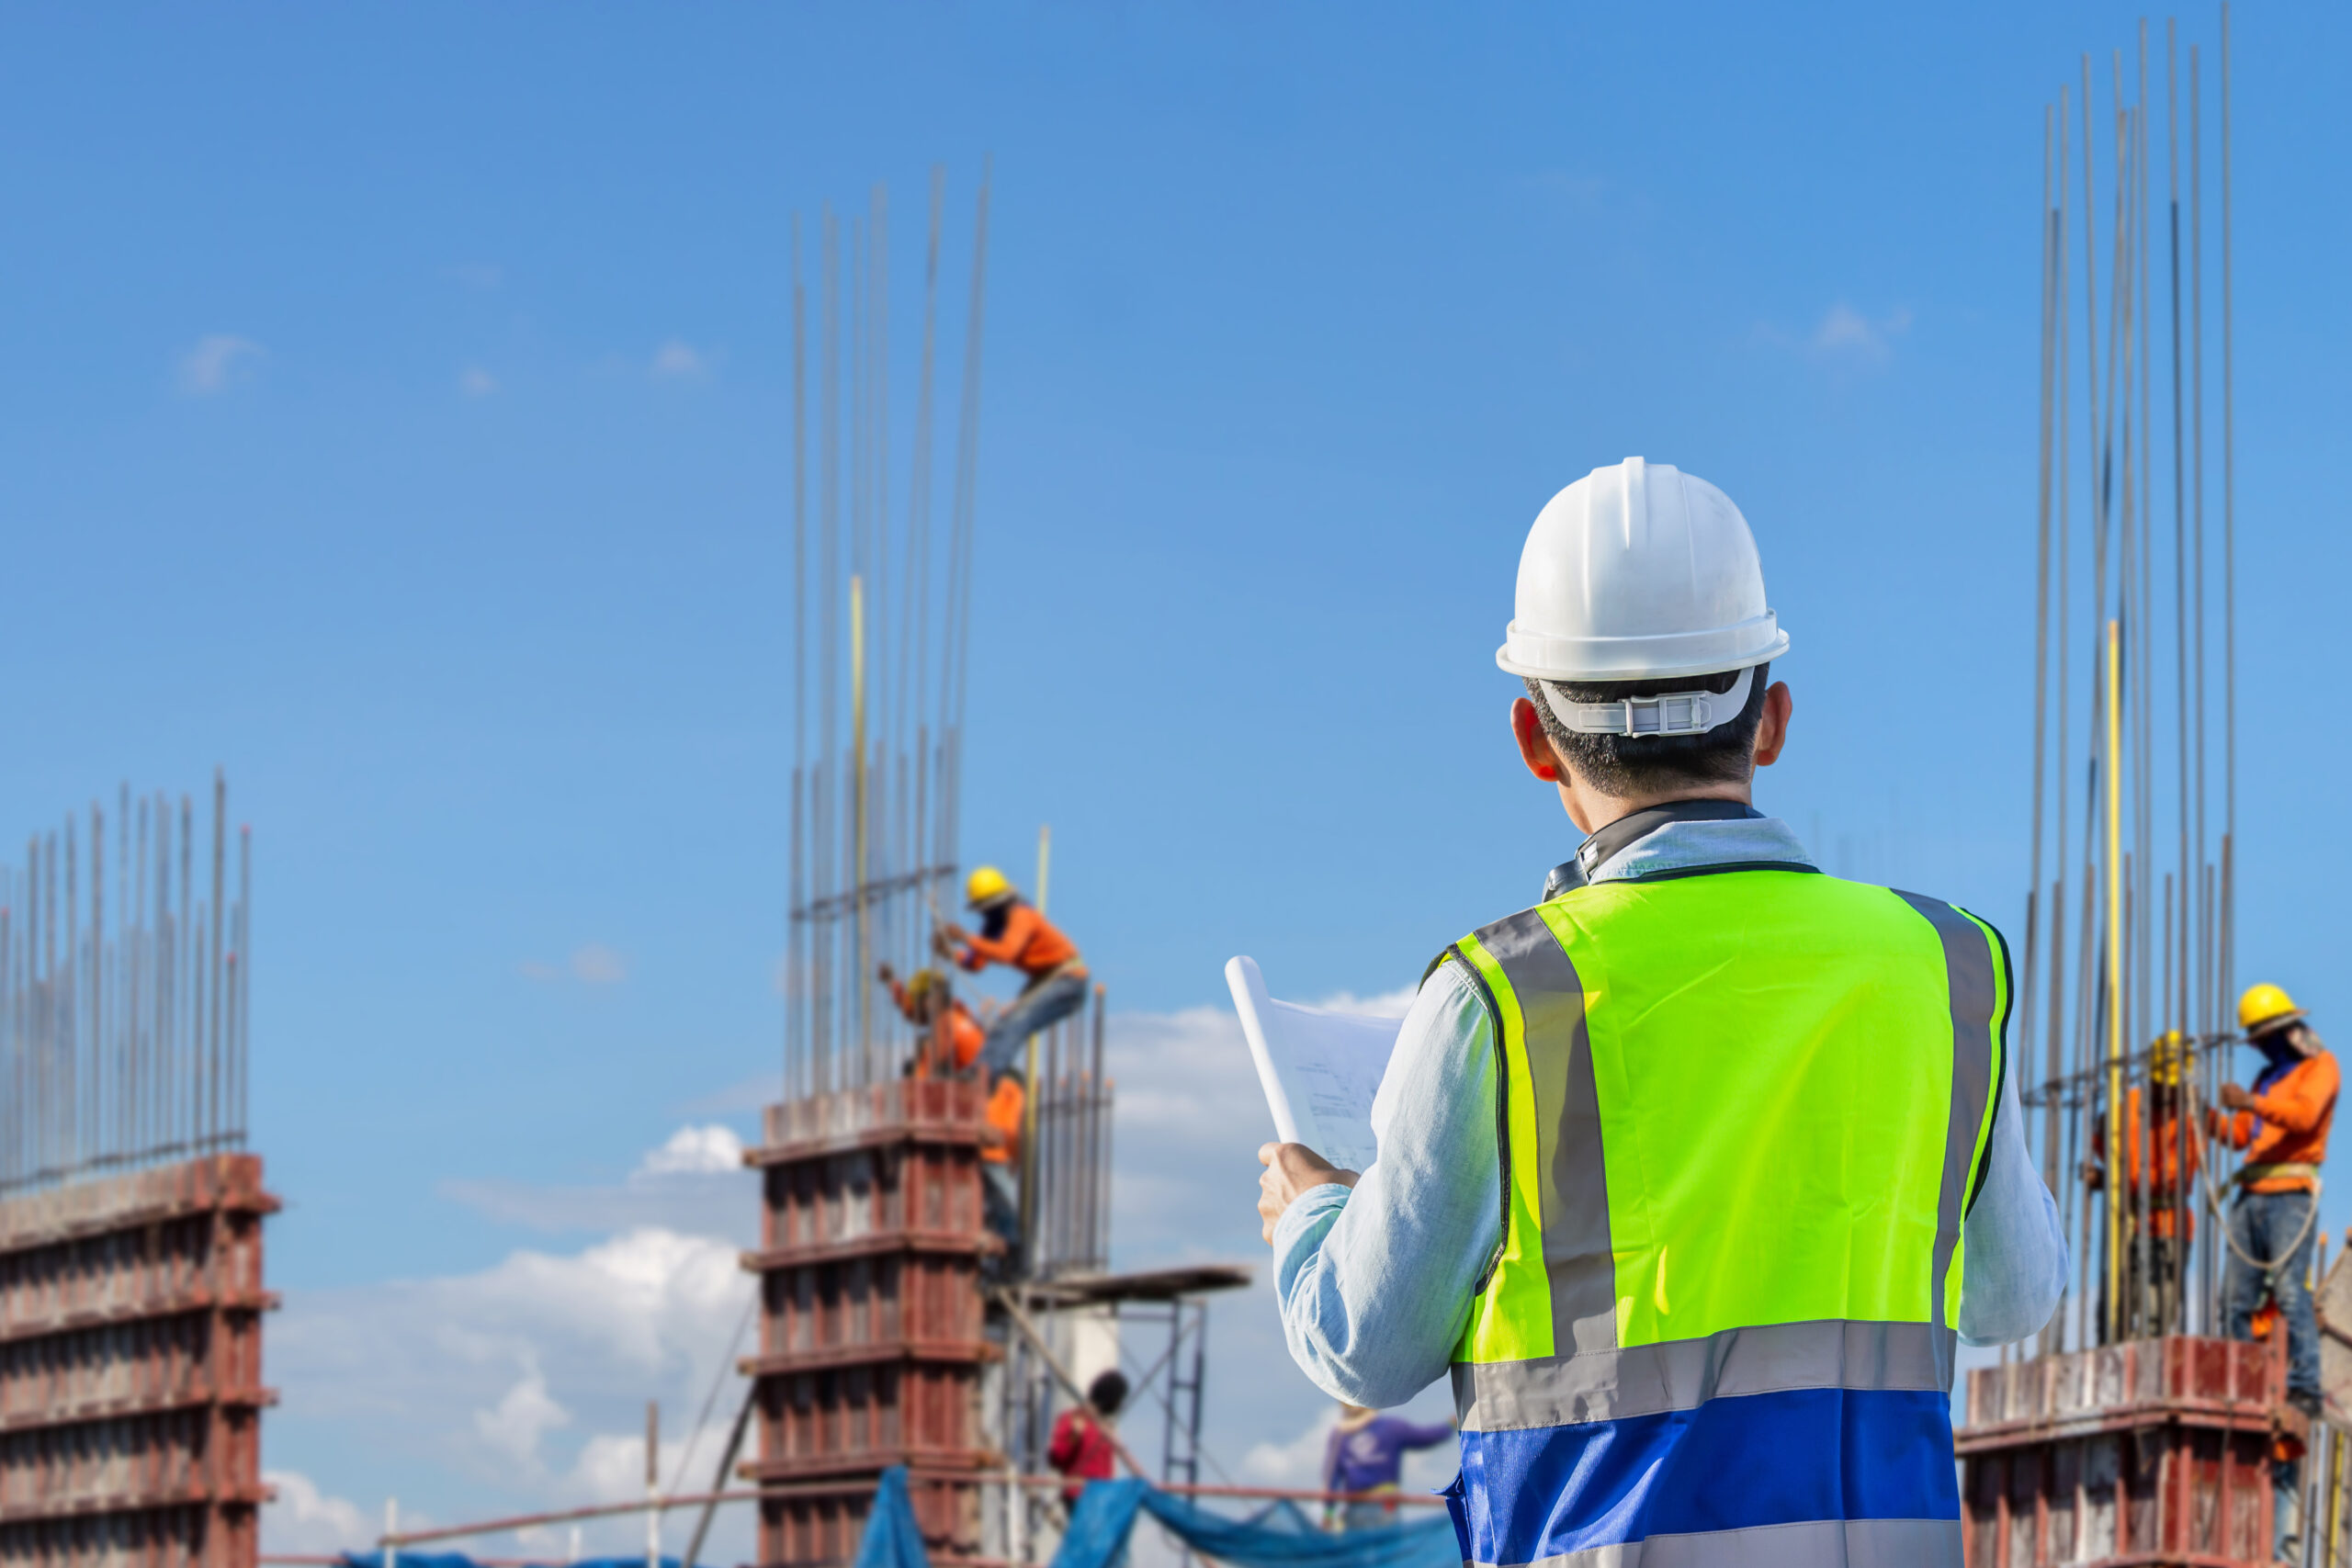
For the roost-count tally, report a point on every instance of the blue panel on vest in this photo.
(1733, 1463)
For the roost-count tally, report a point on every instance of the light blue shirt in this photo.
(1375, 1282)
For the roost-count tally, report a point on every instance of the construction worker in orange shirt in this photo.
(951, 1037)
(2282, 1122)
(1000, 1166)
(2161, 1157)
(1012, 932)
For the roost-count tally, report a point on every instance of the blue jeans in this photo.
(1001, 1211)
(2262, 1223)
(1032, 1012)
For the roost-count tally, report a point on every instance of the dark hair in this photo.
(1646, 765)
(1108, 1391)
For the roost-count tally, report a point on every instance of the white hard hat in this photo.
(1641, 570)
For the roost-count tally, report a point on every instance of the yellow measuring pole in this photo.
(1029, 1095)
(2114, 984)
(857, 807)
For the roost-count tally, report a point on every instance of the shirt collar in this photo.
(1680, 836)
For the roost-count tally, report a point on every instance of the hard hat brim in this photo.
(1576, 660)
(2261, 1027)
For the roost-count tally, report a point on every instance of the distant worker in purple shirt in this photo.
(1366, 1454)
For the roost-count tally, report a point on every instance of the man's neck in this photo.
(1592, 810)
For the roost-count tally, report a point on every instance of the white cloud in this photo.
(524, 1414)
(1295, 1462)
(521, 1383)
(1846, 331)
(593, 964)
(694, 1151)
(476, 382)
(612, 1464)
(303, 1520)
(216, 363)
(1844, 338)
(609, 1318)
(677, 360)
(596, 964)
(1386, 1004)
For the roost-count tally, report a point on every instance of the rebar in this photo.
(110, 1058)
(2132, 942)
(878, 709)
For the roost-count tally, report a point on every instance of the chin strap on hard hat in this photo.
(1668, 713)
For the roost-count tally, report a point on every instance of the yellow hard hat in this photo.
(985, 886)
(920, 983)
(2265, 1007)
(2165, 1054)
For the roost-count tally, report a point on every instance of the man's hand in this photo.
(2235, 1098)
(1291, 1169)
(884, 973)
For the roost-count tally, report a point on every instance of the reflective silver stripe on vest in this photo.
(1848, 1543)
(1683, 1375)
(1572, 1180)
(1968, 970)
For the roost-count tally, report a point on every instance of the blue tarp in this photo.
(892, 1538)
(1277, 1537)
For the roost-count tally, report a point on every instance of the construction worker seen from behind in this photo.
(2282, 1123)
(1675, 1167)
(1013, 932)
(1082, 1446)
(1365, 1457)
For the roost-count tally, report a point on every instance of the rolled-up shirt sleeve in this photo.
(1375, 1282)
(2014, 1265)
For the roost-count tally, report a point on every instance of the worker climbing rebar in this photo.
(949, 1038)
(1015, 933)
(1675, 1167)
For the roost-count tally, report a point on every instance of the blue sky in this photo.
(394, 412)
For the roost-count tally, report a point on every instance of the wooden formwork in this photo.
(131, 1391)
(870, 1316)
(2152, 1451)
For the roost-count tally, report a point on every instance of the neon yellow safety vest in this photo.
(1742, 1113)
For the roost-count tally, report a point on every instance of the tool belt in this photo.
(1071, 966)
(2252, 1173)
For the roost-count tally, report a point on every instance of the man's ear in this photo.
(1773, 727)
(1534, 745)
